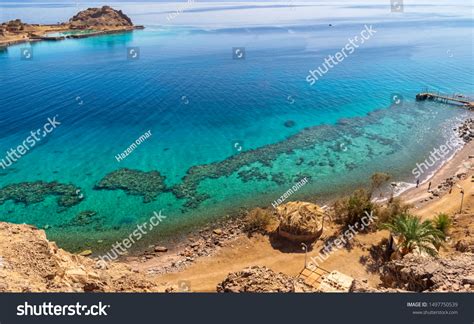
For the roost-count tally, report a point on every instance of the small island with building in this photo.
(86, 23)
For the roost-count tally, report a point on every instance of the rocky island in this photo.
(86, 23)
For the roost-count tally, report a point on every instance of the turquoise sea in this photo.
(249, 127)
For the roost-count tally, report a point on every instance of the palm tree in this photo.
(415, 234)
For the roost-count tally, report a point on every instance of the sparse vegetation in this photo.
(258, 220)
(442, 222)
(377, 180)
(415, 234)
(350, 210)
(394, 207)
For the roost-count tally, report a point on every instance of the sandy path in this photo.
(207, 272)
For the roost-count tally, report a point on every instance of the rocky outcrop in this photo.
(100, 18)
(455, 273)
(362, 286)
(30, 263)
(14, 26)
(260, 279)
(466, 130)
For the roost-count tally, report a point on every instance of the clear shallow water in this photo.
(198, 102)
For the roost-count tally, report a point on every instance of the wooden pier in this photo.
(454, 99)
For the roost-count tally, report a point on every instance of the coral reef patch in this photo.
(86, 218)
(35, 192)
(265, 155)
(252, 174)
(134, 182)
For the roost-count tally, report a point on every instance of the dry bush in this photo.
(258, 220)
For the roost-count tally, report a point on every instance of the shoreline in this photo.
(450, 171)
(42, 38)
(203, 272)
(205, 242)
(178, 238)
(442, 170)
(92, 21)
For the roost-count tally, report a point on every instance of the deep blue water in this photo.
(199, 102)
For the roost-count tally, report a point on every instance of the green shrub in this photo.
(350, 210)
(442, 222)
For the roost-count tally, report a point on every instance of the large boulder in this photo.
(30, 263)
(300, 221)
(414, 273)
(100, 18)
(257, 279)
(15, 26)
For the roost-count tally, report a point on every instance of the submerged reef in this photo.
(337, 136)
(279, 178)
(86, 218)
(134, 182)
(35, 192)
(83, 218)
(252, 174)
(265, 155)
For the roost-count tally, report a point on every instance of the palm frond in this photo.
(415, 234)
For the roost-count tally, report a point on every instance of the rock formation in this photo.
(412, 273)
(260, 279)
(100, 19)
(30, 263)
(14, 26)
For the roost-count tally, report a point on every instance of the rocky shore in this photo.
(466, 130)
(87, 23)
(204, 243)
